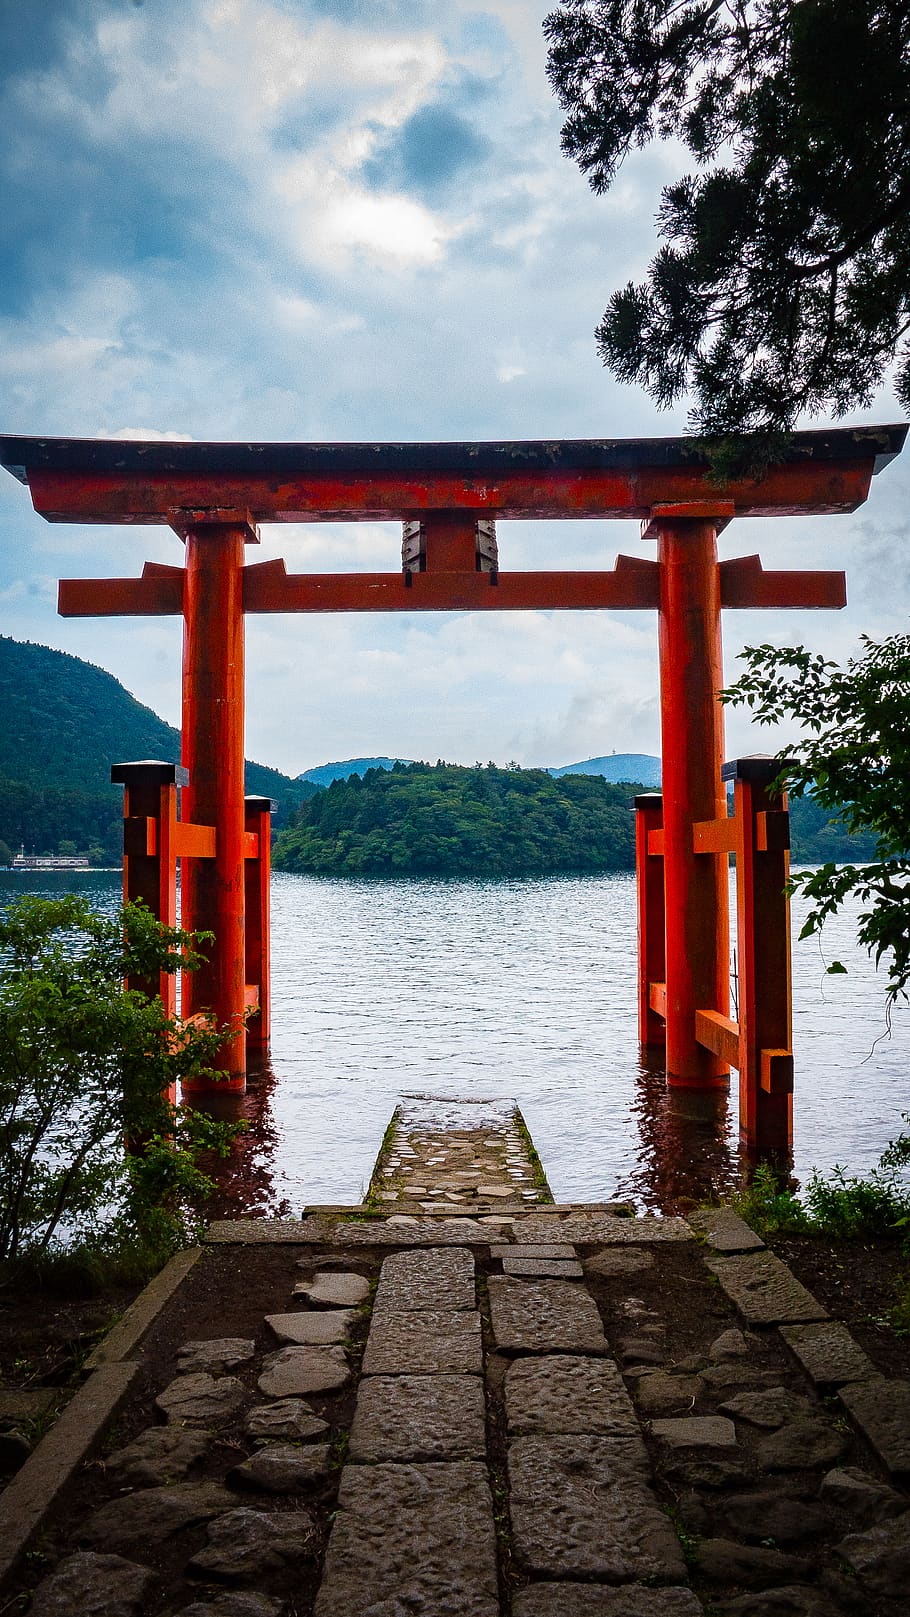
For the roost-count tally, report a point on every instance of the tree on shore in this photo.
(782, 284)
(854, 758)
(86, 1064)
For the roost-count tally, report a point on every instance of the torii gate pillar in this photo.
(692, 745)
(213, 753)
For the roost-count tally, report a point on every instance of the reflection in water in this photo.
(685, 1151)
(685, 1154)
(245, 1179)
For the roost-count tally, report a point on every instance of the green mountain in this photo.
(817, 839)
(641, 767)
(64, 722)
(443, 819)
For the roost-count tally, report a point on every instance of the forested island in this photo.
(447, 820)
(444, 819)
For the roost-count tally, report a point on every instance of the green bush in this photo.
(851, 1207)
(85, 1066)
(769, 1206)
(839, 1205)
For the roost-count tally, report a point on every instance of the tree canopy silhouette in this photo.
(782, 284)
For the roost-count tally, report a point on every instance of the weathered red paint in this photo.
(695, 886)
(649, 873)
(212, 751)
(257, 869)
(786, 490)
(633, 585)
(763, 958)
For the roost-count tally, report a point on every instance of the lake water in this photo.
(520, 988)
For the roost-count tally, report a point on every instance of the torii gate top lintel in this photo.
(114, 480)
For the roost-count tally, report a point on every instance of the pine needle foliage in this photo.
(782, 283)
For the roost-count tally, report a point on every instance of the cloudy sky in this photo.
(347, 219)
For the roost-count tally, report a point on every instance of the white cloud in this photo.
(325, 214)
(145, 434)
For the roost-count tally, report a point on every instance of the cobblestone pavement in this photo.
(574, 1414)
(468, 1157)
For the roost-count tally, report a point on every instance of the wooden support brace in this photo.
(717, 512)
(772, 831)
(714, 836)
(763, 934)
(657, 998)
(633, 585)
(158, 593)
(744, 583)
(719, 1034)
(649, 890)
(257, 865)
(149, 857)
(193, 519)
(140, 836)
(194, 841)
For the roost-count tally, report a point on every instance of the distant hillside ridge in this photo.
(815, 835)
(63, 722)
(642, 768)
(324, 774)
(637, 767)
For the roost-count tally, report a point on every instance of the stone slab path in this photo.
(571, 1414)
(455, 1156)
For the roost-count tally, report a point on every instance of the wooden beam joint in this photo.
(719, 1034)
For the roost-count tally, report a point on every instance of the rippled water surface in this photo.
(524, 989)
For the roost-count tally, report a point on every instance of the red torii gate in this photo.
(449, 496)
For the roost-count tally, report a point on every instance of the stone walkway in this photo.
(457, 1156)
(572, 1414)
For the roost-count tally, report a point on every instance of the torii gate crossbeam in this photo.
(448, 496)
